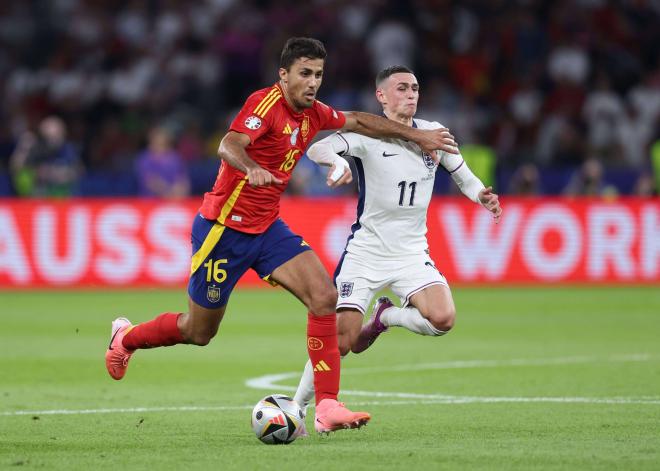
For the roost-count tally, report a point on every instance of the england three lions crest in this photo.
(428, 160)
(345, 289)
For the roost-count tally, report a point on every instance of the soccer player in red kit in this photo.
(238, 227)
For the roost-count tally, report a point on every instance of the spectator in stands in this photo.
(160, 169)
(550, 81)
(588, 180)
(46, 164)
(525, 181)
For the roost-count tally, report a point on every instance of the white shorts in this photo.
(360, 278)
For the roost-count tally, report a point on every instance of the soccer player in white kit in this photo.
(387, 247)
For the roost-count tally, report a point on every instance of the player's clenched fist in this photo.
(258, 176)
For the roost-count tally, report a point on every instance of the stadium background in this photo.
(130, 99)
(554, 360)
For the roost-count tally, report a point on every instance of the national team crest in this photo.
(304, 127)
(428, 160)
(213, 294)
(345, 289)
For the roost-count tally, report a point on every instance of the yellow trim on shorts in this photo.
(211, 240)
(270, 281)
(216, 231)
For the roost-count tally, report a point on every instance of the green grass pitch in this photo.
(530, 378)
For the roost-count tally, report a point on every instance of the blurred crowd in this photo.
(111, 97)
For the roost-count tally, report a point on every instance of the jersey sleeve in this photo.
(329, 118)
(350, 144)
(251, 123)
(450, 162)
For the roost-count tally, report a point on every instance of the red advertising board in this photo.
(138, 242)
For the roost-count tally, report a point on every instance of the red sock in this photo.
(159, 332)
(324, 353)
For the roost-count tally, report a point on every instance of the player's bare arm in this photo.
(232, 150)
(377, 127)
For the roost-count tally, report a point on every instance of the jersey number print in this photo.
(402, 184)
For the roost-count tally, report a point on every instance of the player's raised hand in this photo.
(339, 174)
(258, 176)
(432, 140)
(491, 202)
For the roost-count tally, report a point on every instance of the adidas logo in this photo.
(287, 129)
(322, 366)
(279, 420)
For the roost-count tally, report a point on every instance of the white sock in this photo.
(305, 391)
(409, 318)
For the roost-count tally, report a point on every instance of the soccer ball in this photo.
(277, 419)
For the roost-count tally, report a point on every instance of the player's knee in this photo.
(323, 300)
(442, 318)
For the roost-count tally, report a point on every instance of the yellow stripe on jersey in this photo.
(272, 95)
(231, 201)
(216, 231)
(270, 105)
(266, 98)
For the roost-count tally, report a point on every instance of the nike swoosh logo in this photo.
(112, 340)
(385, 154)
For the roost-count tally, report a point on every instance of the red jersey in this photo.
(278, 138)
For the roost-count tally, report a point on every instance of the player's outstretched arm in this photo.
(232, 150)
(377, 127)
(471, 186)
(326, 152)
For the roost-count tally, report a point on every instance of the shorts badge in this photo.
(345, 289)
(213, 294)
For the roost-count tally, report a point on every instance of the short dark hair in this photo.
(296, 48)
(394, 69)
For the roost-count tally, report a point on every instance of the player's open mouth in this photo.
(310, 96)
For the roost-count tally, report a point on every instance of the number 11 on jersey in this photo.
(402, 184)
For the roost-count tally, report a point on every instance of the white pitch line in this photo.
(271, 382)
(429, 401)
(123, 410)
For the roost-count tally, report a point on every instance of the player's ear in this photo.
(380, 96)
(283, 74)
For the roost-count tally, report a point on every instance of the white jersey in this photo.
(395, 180)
